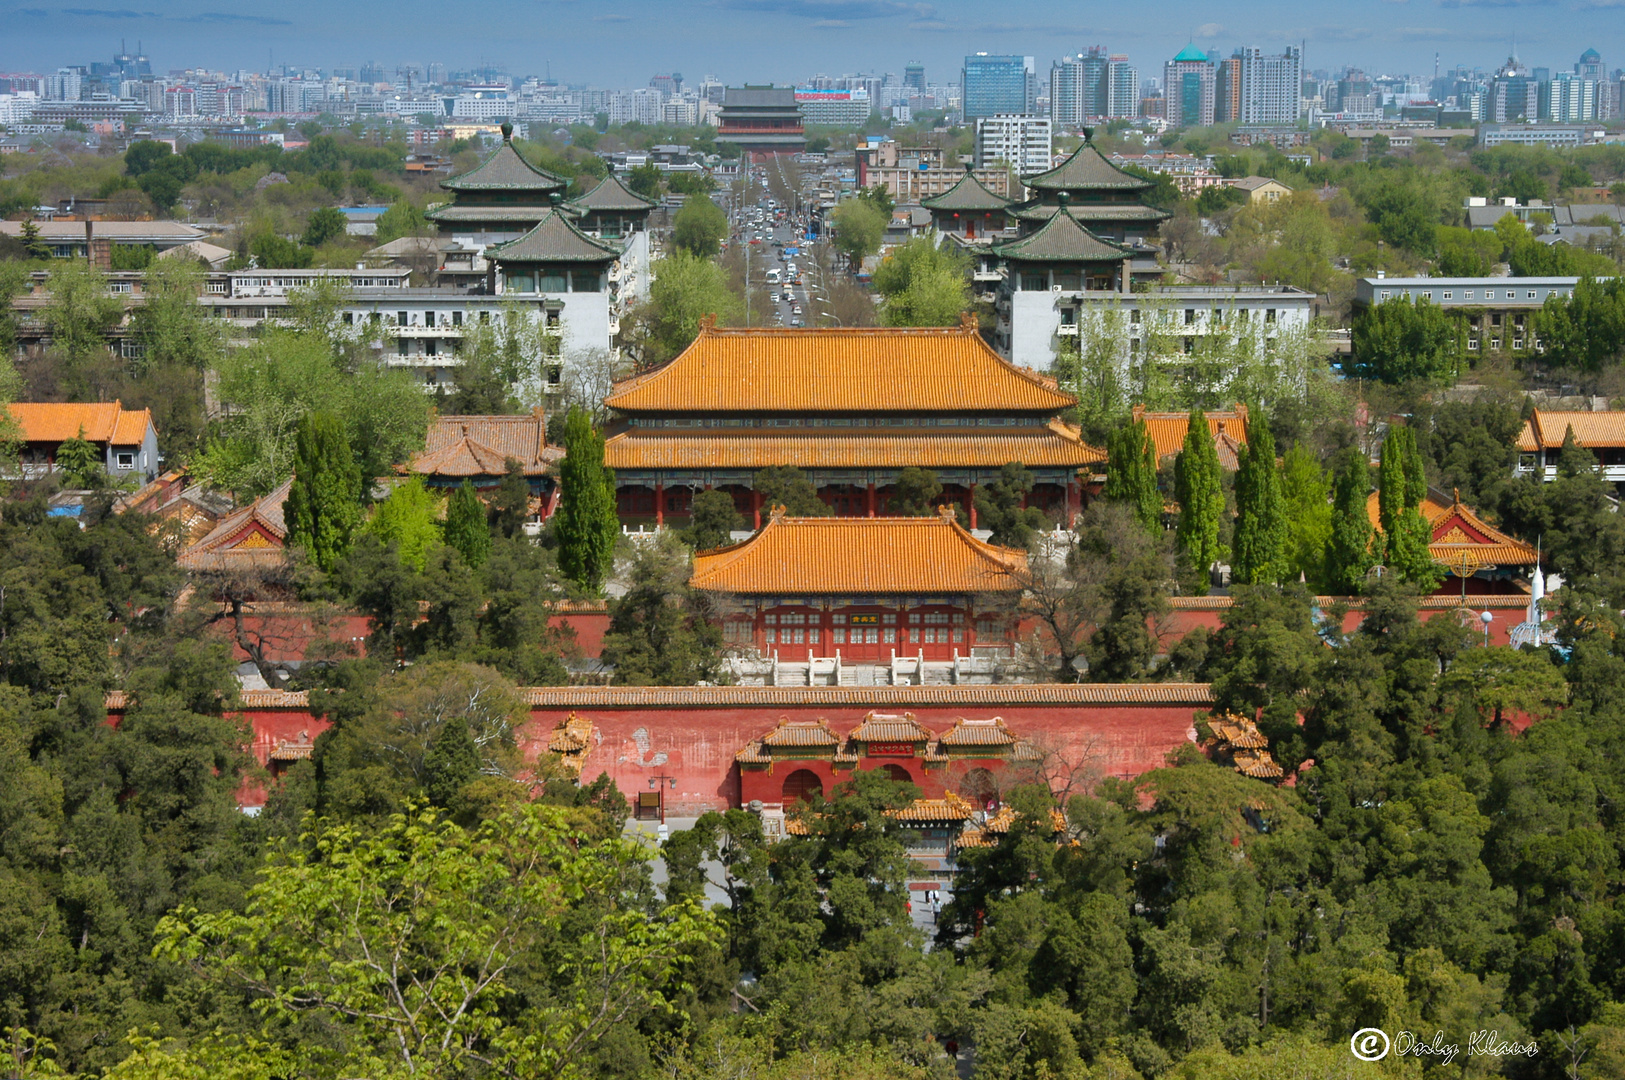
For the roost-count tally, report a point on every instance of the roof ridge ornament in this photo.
(507, 132)
(969, 321)
(777, 513)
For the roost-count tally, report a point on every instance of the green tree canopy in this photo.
(1348, 549)
(789, 487)
(324, 503)
(857, 226)
(1397, 341)
(1259, 548)
(324, 224)
(712, 517)
(915, 493)
(1131, 473)
(661, 632)
(585, 525)
(467, 532)
(1000, 507)
(700, 226)
(923, 285)
(1199, 489)
(686, 288)
(408, 519)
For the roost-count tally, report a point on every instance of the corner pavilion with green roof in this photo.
(499, 199)
(1103, 198)
(612, 210)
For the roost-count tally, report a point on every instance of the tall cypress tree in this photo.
(586, 525)
(1200, 491)
(1348, 553)
(324, 504)
(1402, 481)
(466, 528)
(1258, 552)
(1131, 473)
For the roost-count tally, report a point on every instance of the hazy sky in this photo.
(612, 43)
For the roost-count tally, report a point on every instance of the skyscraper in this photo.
(1187, 89)
(914, 77)
(1122, 88)
(1066, 91)
(1271, 86)
(998, 85)
(1227, 91)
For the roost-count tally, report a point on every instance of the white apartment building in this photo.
(1168, 322)
(17, 108)
(1025, 142)
(1271, 87)
(482, 103)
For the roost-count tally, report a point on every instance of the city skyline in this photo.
(624, 43)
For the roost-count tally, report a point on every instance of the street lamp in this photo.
(1487, 619)
(654, 785)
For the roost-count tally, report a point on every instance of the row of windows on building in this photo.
(1070, 315)
(1467, 294)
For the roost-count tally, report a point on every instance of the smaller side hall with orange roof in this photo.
(1228, 428)
(1480, 559)
(1540, 444)
(863, 588)
(125, 438)
(851, 408)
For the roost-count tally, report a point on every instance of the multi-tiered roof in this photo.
(843, 398)
(1103, 198)
(503, 193)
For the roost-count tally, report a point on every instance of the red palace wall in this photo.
(691, 734)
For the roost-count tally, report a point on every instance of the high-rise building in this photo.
(1122, 88)
(1024, 142)
(1271, 86)
(914, 76)
(65, 85)
(1188, 89)
(1571, 98)
(1066, 92)
(1227, 91)
(1514, 94)
(998, 86)
(1590, 66)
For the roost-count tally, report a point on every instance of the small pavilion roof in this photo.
(801, 733)
(554, 239)
(1167, 431)
(251, 537)
(842, 369)
(611, 194)
(890, 727)
(991, 732)
(1086, 169)
(866, 556)
(968, 193)
(506, 170)
(467, 446)
(1062, 239)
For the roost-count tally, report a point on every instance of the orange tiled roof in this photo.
(1459, 536)
(481, 445)
(99, 422)
(1591, 429)
(885, 727)
(991, 732)
(859, 555)
(801, 733)
(250, 537)
(868, 370)
(1052, 445)
(950, 807)
(1167, 431)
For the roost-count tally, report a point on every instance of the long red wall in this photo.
(691, 734)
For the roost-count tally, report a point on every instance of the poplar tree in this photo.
(1131, 473)
(466, 528)
(324, 504)
(1259, 548)
(586, 525)
(1348, 551)
(1200, 493)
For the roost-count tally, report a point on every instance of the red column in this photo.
(871, 499)
(756, 509)
(970, 500)
(660, 503)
